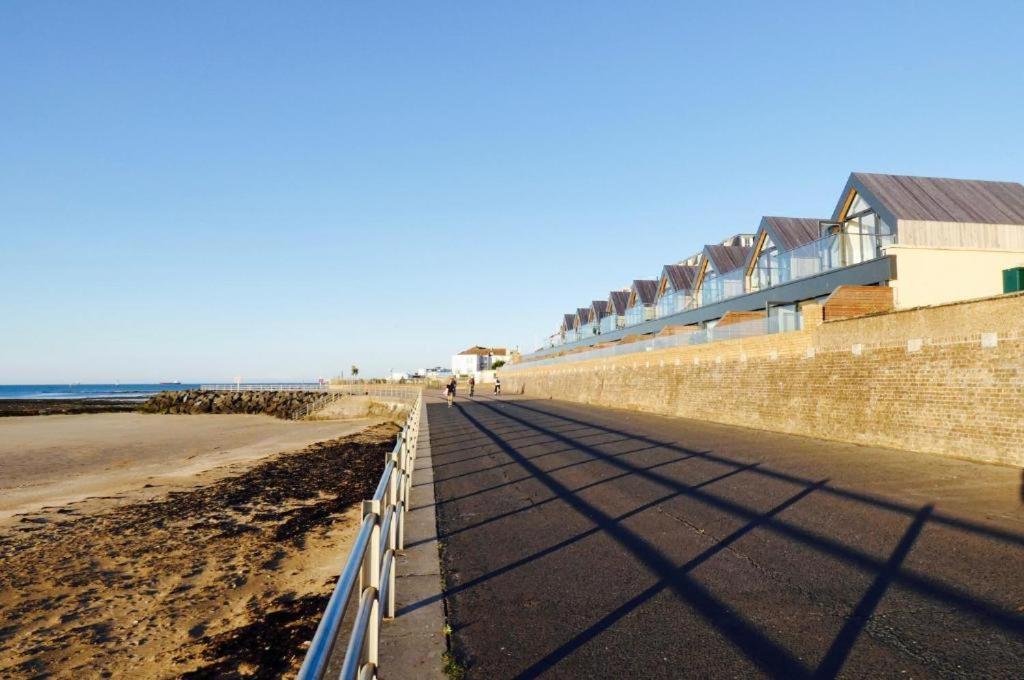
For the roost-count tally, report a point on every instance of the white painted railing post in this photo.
(394, 486)
(371, 578)
(401, 503)
(373, 638)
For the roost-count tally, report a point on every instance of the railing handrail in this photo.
(264, 387)
(372, 558)
(327, 632)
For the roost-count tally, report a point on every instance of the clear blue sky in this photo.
(200, 190)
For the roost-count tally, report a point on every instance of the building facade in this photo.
(476, 359)
(925, 240)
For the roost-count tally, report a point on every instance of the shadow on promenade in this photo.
(506, 431)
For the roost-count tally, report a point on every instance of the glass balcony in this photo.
(720, 287)
(673, 303)
(609, 323)
(852, 246)
(639, 314)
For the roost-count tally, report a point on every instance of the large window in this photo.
(766, 271)
(784, 318)
(863, 235)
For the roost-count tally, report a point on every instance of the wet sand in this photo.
(227, 579)
(47, 407)
(113, 458)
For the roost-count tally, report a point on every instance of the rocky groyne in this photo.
(281, 403)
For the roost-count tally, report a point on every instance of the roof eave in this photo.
(855, 183)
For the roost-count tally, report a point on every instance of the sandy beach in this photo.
(174, 546)
(110, 458)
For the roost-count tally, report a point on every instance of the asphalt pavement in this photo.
(584, 542)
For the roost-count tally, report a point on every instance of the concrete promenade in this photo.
(593, 543)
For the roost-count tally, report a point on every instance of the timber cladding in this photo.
(947, 380)
(852, 301)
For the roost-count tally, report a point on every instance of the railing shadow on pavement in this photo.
(874, 501)
(762, 651)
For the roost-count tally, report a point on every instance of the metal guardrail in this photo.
(370, 567)
(316, 404)
(265, 387)
(380, 390)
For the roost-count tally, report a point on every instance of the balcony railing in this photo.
(610, 323)
(639, 314)
(834, 251)
(745, 329)
(675, 302)
(720, 287)
(825, 254)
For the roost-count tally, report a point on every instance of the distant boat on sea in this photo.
(171, 382)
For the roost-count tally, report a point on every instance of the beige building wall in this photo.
(932, 276)
(967, 235)
(946, 379)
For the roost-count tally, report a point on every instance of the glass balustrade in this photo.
(863, 238)
(852, 246)
(639, 314)
(718, 287)
(673, 303)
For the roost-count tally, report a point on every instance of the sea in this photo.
(139, 391)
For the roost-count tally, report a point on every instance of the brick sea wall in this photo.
(947, 379)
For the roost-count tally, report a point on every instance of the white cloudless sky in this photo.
(198, 190)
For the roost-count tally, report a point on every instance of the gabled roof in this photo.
(936, 199)
(618, 301)
(738, 240)
(725, 259)
(568, 321)
(598, 309)
(484, 351)
(583, 315)
(791, 232)
(680, 277)
(644, 290)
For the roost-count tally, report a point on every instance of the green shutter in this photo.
(1013, 280)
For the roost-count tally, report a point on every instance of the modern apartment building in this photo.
(901, 241)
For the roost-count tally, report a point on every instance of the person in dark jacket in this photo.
(451, 391)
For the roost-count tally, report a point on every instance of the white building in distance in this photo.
(476, 359)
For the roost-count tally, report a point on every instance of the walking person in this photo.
(497, 386)
(451, 391)
(472, 384)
